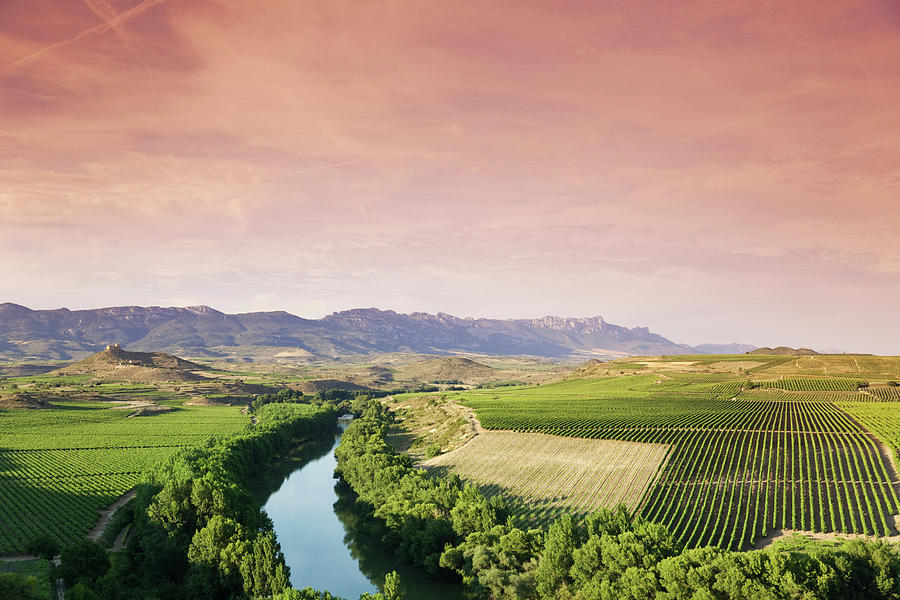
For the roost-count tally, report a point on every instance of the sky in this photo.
(718, 171)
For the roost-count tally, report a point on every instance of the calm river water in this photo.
(318, 535)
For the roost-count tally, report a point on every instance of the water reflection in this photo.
(320, 533)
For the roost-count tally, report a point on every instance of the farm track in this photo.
(94, 534)
(106, 515)
(833, 536)
(253, 418)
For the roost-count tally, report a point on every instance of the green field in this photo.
(60, 466)
(797, 454)
(882, 418)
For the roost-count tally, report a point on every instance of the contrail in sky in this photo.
(120, 18)
(106, 13)
(330, 166)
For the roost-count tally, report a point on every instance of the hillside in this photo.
(447, 369)
(204, 332)
(123, 365)
(22, 400)
(322, 385)
(783, 351)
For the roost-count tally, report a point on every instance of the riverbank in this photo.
(323, 535)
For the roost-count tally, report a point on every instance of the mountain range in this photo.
(63, 334)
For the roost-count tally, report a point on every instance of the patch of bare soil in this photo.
(425, 421)
(735, 366)
(293, 353)
(18, 557)
(781, 534)
(22, 401)
(106, 515)
(253, 418)
(448, 369)
(674, 365)
(204, 401)
(142, 408)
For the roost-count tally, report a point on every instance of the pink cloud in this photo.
(676, 166)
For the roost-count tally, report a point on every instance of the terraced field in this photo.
(542, 476)
(799, 454)
(60, 466)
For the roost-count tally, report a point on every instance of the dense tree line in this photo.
(414, 513)
(20, 586)
(198, 533)
(446, 526)
(341, 400)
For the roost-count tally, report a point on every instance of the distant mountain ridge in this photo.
(201, 330)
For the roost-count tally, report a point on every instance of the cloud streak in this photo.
(345, 163)
(109, 22)
(106, 13)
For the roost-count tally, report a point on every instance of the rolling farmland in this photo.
(60, 466)
(798, 454)
(541, 476)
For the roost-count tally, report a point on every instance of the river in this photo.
(316, 526)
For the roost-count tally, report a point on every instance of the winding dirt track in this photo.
(106, 515)
(94, 534)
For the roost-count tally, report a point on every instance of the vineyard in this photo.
(793, 453)
(886, 393)
(882, 418)
(541, 476)
(60, 466)
(829, 384)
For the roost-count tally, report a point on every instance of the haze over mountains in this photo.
(200, 330)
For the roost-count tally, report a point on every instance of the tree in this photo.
(392, 589)
(267, 573)
(559, 546)
(85, 560)
(16, 585)
(81, 591)
(43, 546)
